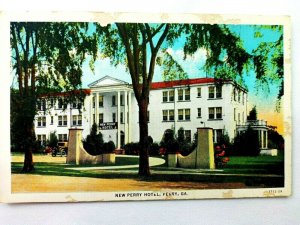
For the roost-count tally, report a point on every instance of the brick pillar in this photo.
(205, 149)
(74, 145)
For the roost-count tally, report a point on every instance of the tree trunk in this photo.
(28, 146)
(144, 169)
(28, 161)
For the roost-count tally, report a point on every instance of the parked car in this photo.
(61, 149)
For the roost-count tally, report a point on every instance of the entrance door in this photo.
(122, 139)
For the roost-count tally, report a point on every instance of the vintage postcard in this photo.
(129, 106)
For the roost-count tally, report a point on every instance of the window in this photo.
(77, 120)
(62, 120)
(187, 136)
(171, 115)
(74, 120)
(219, 112)
(114, 117)
(52, 102)
(187, 114)
(41, 138)
(184, 114)
(214, 92)
(122, 100)
(62, 137)
(165, 115)
(180, 95)
(101, 98)
(168, 115)
(52, 120)
(113, 100)
(211, 113)
(168, 96)
(214, 113)
(234, 94)
(94, 101)
(199, 112)
(94, 118)
(211, 92)
(77, 104)
(199, 92)
(185, 93)
(180, 114)
(41, 121)
(41, 105)
(171, 96)
(122, 117)
(61, 104)
(239, 96)
(101, 118)
(217, 135)
(239, 118)
(234, 112)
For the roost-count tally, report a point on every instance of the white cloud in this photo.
(193, 64)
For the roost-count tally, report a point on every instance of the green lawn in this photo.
(242, 169)
(258, 164)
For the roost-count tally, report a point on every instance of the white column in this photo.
(266, 139)
(125, 116)
(118, 120)
(129, 117)
(97, 109)
(262, 139)
(91, 112)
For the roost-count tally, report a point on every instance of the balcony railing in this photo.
(254, 123)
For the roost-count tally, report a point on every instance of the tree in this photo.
(169, 142)
(93, 143)
(138, 46)
(53, 140)
(252, 114)
(275, 140)
(45, 57)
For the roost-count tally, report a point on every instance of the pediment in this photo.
(107, 81)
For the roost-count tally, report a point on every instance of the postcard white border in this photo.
(104, 18)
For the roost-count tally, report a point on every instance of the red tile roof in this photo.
(169, 84)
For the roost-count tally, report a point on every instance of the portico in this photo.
(260, 126)
(110, 109)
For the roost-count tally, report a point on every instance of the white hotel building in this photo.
(111, 104)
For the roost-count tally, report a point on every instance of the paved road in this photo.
(152, 161)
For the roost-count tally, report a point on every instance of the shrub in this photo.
(93, 142)
(154, 149)
(108, 147)
(246, 144)
(132, 148)
(185, 147)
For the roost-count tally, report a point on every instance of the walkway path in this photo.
(152, 162)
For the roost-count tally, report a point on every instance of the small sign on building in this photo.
(108, 126)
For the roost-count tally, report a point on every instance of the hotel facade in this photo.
(187, 104)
